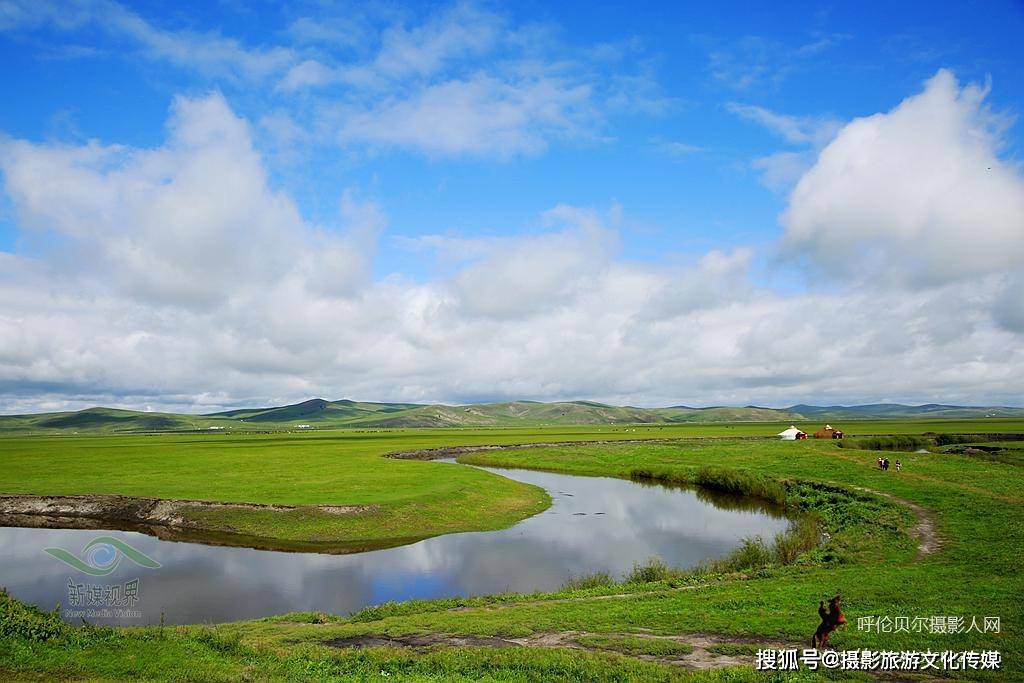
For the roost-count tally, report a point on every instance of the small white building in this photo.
(792, 434)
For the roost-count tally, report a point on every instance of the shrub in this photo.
(653, 570)
(595, 580)
(951, 439)
(752, 554)
(802, 536)
(27, 621)
(224, 643)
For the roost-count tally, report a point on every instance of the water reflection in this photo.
(594, 524)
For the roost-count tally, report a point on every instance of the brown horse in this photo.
(831, 619)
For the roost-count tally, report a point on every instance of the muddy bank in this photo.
(170, 520)
(157, 511)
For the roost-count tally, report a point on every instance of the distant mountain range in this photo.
(319, 413)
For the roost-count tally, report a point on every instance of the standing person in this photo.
(885, 464)
(899, 465)
(880, 466)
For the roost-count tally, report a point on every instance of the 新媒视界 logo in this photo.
(103, 555)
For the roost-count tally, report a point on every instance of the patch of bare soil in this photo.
(702, 656)
(421, 641)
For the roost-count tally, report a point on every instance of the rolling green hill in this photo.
(109, 420)
(318, 413)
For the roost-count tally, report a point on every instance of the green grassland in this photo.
(405, 499)
(871, 555)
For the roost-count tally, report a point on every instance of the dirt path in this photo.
(702, 656)
(924, 531)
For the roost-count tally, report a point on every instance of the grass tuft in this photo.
(654, 569)
(224, 643)
(593, 580)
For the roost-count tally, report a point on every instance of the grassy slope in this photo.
(977, 504)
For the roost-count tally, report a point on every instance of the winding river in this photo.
(594, 524)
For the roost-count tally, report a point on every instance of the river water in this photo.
(594, 524)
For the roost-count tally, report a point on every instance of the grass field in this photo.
(871, 557)
(406, 499)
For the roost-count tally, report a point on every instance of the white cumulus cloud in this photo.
(179, 277)
(917, 194)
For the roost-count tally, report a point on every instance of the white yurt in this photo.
(791, 434)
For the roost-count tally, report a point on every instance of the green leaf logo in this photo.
(102, 556)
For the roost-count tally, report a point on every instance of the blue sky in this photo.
(422, 147)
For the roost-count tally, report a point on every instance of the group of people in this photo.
(883, 464)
